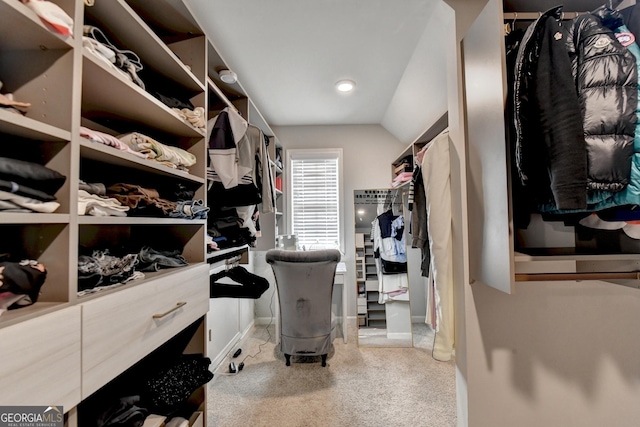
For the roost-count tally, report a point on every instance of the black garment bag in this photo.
(249, 285)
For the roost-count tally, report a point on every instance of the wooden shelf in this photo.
(11, 317)
(33, 218)
(26, 127)
(569, 254)
(128, 31)
(222, 253)
(110, 155)
(26, 31)
(218, 92)
(107, 94)
(132, 220)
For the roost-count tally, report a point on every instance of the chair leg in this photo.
(324, 360)
(288, 359)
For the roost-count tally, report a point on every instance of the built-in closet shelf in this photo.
(33, 218)
(279, 213)
(378, 315)
(256, 119)
(567, 261)
(128, 31)
(107, 94)
(11, 317)
(213, 86)
(110, 155)
(277, 168)
(129, 220)
(26, 127)
(148, 277)
(26, 31)
(569, 255)
(404, 185)
(226, 253)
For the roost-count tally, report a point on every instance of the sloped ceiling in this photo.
(289, 54)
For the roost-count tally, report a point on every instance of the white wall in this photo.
(367, 154)
(421, 96)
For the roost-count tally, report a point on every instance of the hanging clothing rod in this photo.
(532, 16)
(550, 277)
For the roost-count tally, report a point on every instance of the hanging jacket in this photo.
(630, 195)
(607, 82)
(238, 164)
(549, 143)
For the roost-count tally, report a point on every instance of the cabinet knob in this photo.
(178, 305)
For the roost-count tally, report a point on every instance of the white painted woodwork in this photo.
(119, 329)
(490, 225)
(41, 360)
(223, 323)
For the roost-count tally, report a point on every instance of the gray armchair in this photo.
(304, 280)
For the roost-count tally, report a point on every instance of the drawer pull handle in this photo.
(178, 305)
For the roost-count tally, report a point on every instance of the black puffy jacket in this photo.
(550, 151)
(606, 78)
(575, 99)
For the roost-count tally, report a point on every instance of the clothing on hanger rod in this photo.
(532, 16)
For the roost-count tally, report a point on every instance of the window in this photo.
(315, 197)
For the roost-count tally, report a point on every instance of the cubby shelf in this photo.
(36, 37)
(26, 127)
(110, 155)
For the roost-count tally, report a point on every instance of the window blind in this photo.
(315, 202)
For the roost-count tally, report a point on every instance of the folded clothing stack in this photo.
(28, 187)
(20, 283)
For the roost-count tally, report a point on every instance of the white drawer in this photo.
(119, 329)
(339, 279)
(40, 360)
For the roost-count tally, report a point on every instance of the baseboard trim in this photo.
(399, 335)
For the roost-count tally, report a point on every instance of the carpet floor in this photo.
(359, 387)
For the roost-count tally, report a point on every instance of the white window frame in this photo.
(305, 153)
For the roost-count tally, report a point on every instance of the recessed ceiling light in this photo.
(345, 85)
(228, 76)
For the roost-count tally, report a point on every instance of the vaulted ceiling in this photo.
(288, 55)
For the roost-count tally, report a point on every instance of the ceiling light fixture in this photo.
(345, 85)
(228, 76)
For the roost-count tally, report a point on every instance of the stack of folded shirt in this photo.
(401, 178)
(93, 200)
(110, 140)
(28, 187)
(172, 157)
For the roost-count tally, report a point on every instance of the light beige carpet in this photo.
(359, 387)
